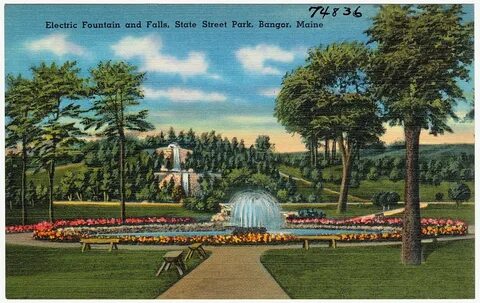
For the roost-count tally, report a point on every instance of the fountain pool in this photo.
(249, 209)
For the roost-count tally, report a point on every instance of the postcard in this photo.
(239, 151)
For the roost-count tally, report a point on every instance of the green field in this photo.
(427, 192)
(41, 177)
(374, 272)
(430, 151)
(67, 273)
(74, 211)
(367, 187)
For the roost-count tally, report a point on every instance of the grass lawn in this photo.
(40, 213)
(67, 273)
(427, 192)
(367, 187)
(374, 272)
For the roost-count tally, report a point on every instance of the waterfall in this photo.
(256, 209)
(176, 156)
(186, 183)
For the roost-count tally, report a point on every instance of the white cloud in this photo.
(269, 91)
(149, 50)
(247, 119)
(57, 44)
(178, 94)
(255, 58)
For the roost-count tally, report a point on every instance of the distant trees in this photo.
(116, 88)
(420, 53)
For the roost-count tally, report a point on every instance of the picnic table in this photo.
(173, 258)
(87, 242)
(331, 239)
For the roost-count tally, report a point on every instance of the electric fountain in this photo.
(255, 208)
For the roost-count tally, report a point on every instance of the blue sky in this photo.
(223, 79)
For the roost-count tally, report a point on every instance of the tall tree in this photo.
(344, 106)
(59, 88)
(24, 112)
(116, 88)
(294, 107)
(421, 53)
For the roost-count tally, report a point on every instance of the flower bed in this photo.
(72, 232)
(43, 226)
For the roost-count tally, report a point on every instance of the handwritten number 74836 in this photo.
(324, 11)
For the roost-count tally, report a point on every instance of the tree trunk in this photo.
(122, 176)
(24, 183)
(327, 150)
(346, 175)
(334, 151)
(411, 244)
(316, 151)
(310, 149)
(51, 176)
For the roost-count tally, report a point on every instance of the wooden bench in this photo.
(87, 242)
(172, 258)
(196, 247)
(331, 239)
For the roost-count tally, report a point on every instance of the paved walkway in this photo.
(231, 272)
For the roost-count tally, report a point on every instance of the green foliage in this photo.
(439, 197)
(414, 46)
(459, 192)
(178, 193)
(311, 213)
(385, 199)
(116, 88)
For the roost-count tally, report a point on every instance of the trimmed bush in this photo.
(311, 213)
(459, 192)
(385, 199)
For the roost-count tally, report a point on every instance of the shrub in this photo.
(459, 192)
(282, 195)
(373, 174)
(178, 193)
(385, 199)
(312, 198)
(354, 183)
(395, 175)
(306, 171)
(316, 175)
(311, 213)
(439, 197)
(248, 230)
(337, 180)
